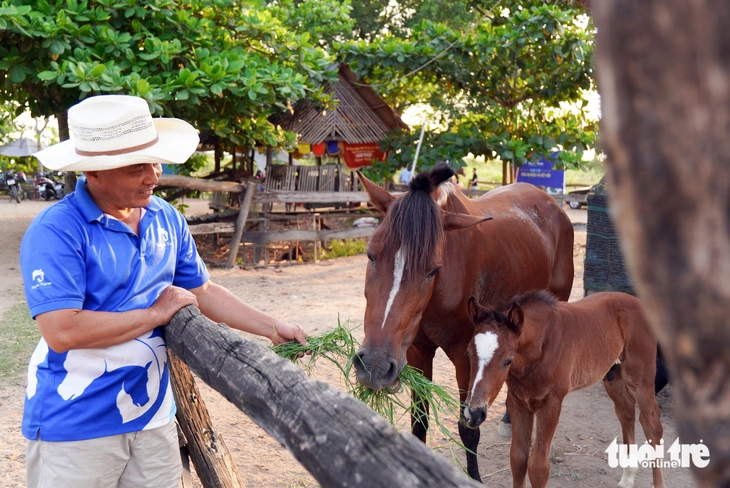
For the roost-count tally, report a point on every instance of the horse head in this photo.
(405, 256)
(491, 353)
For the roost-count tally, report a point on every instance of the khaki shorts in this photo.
(145, 459)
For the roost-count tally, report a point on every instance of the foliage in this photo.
(339, 248)
(18, 337)
(511, 87)
(339, 346)
(222, 65)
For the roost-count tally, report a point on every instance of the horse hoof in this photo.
(505, 430)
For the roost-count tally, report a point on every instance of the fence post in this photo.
(241, 223)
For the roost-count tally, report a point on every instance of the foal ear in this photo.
(379, 197)
(516, 317)
(455, 221)
(473, 308)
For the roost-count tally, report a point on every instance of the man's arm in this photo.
(84, 329)
(220, 305)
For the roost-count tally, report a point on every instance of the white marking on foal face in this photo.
(398, 267)
(486, 344)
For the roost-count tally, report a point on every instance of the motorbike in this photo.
(49, 186)
(13, 180)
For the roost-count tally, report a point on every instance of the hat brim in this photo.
(177, 141)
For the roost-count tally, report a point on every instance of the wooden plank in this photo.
(210, 456)
(311, 197)
(177, 181)
(284, 235)
(240, 225)
(336, 438)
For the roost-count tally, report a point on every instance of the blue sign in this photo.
(542, 175)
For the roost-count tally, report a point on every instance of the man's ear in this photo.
(91, 175)
(380, 198)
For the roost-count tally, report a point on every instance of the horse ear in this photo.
(472, 306)
(455, 221)
(516, 317)
(380, 198)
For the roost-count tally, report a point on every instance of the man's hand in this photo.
(172, 299)
(285, 332)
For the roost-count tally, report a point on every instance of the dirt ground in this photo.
(315, 296)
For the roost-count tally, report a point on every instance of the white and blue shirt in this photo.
(74, 256)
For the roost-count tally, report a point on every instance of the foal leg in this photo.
(538, 467)
(625, 407)
(650, 419)
(519, 452)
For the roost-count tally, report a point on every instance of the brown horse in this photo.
(431, 252)
(545, 349)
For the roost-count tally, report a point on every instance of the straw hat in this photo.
(111, 131)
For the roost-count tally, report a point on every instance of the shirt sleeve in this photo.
(52, 265)
(190, 271)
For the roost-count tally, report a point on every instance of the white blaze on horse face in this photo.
(486, 343)
(398, 266)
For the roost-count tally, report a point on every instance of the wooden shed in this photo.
(350, 131)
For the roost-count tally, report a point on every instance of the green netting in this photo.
(604, 268)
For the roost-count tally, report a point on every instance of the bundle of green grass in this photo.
(339, 346)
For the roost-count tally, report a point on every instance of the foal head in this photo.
(491, 353)
(405, 257)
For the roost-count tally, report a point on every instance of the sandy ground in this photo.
(315, 296)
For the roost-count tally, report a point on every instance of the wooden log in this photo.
(210, 456)
(336, 438)
(240, 225)
(177, 181)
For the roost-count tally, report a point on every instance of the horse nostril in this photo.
(392, 375)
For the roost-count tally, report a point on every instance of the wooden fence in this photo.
(335, 437)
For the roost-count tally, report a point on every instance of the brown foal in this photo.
(544, 349)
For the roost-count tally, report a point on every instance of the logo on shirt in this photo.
(163, 238)
(39, 278)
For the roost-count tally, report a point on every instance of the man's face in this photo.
(127, 187)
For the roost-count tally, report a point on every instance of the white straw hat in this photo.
(111, 131)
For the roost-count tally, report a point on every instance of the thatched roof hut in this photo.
(360, 117)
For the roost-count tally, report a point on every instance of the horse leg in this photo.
(505, 425)
(547, 417)
(469, 437)
(422, 360)
(624, 405)
(650, 419)
(519, 452)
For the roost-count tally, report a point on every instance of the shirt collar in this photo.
(91, 210)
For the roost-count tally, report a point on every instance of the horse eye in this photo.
(508, 363)
(371, 258)
(433, 272)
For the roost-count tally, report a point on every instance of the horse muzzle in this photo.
(376, 371)
(474, 417)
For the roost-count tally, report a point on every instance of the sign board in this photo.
(542, 175)
(357, 155)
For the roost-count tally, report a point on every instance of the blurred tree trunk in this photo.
(664, 78)
(69, 178)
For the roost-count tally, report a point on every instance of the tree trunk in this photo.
(69, 178)
(339, 440)
(664, 79)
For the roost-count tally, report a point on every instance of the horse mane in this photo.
(413, 222)
(543, 296)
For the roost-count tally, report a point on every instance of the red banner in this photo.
(358, 155)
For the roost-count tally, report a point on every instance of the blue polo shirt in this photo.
(74, 256)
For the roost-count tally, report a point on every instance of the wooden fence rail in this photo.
(336, 438)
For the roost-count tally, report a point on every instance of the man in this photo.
(404, 177)
(104, 270)
(474, 180)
